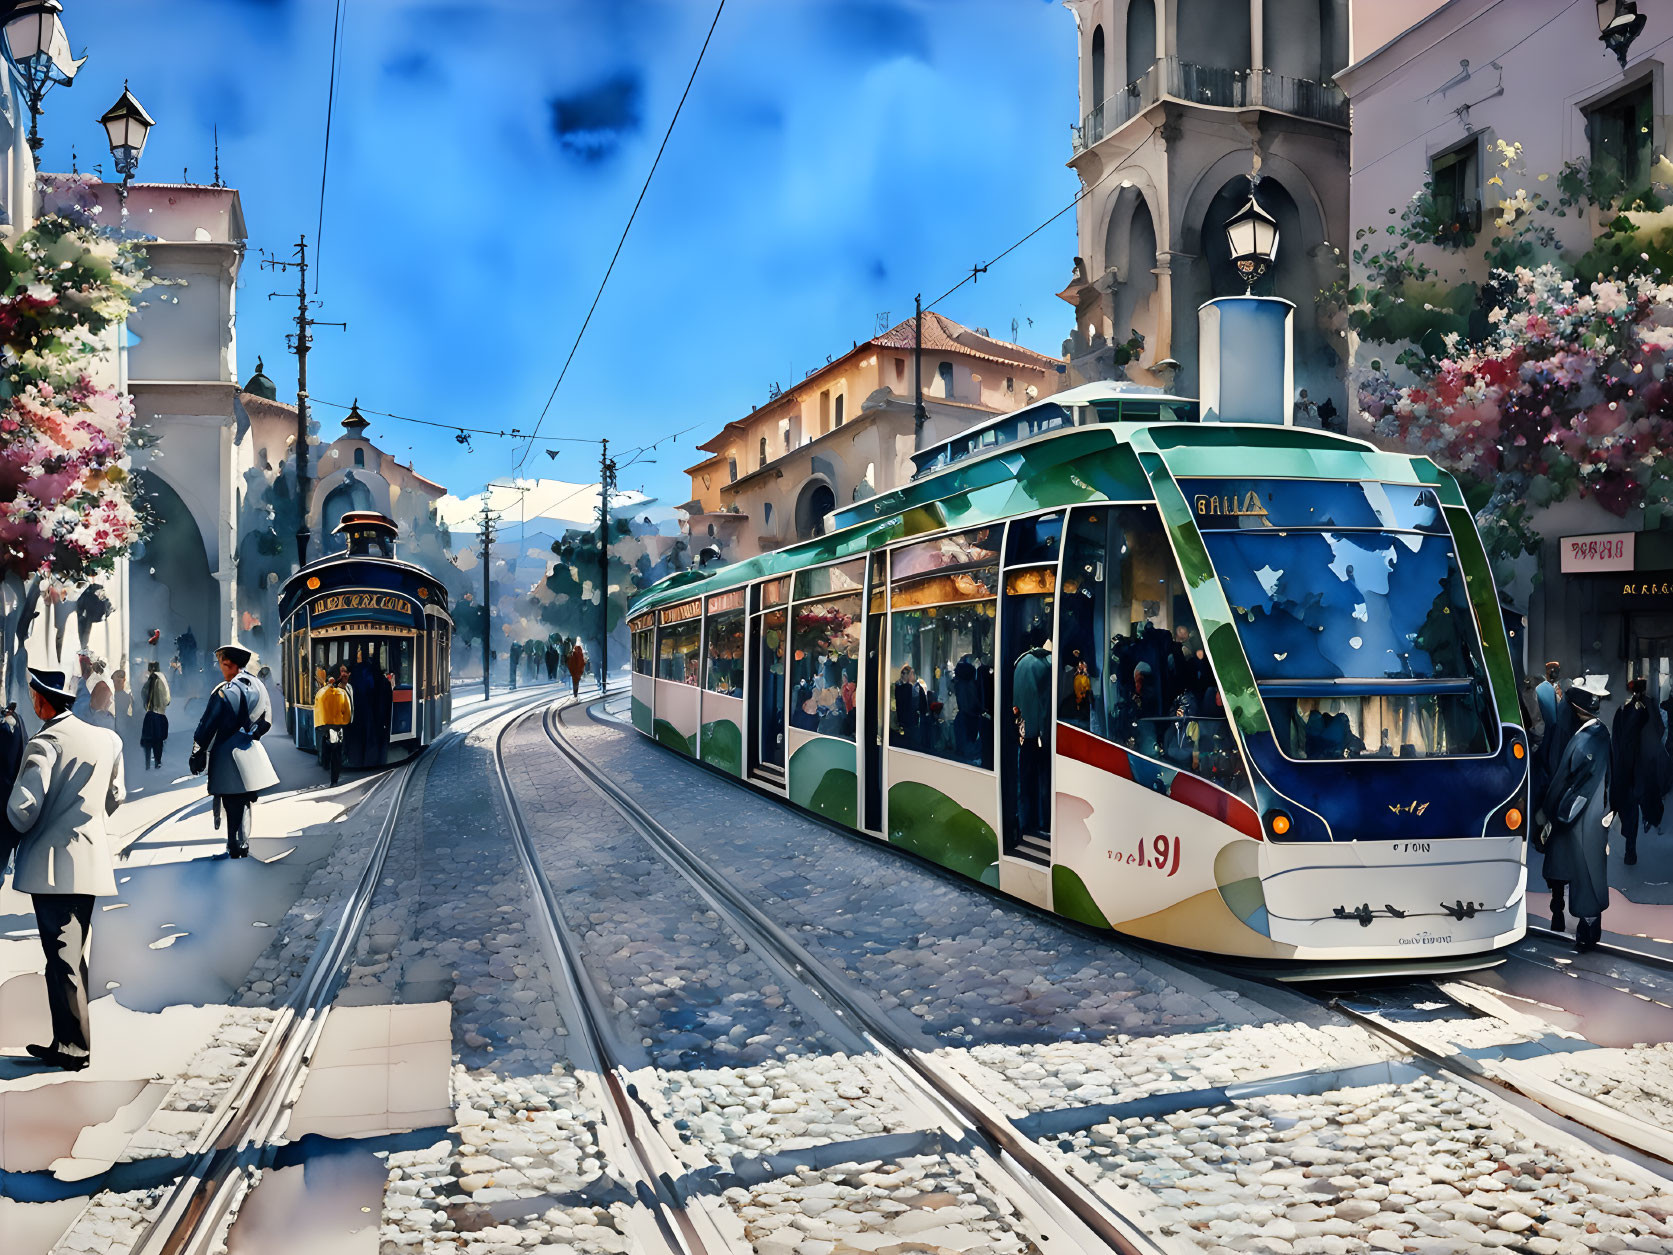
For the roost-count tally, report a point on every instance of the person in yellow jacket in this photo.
(333, 712)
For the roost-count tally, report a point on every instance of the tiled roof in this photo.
(943, 335)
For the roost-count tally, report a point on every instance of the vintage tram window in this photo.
(825, 638)
(1034, 540)
(951, 552)
(775, 592)
(844, 577)
(724, 666)
(679, 629)
(644, 652)
(941, 699)
(1133, 667)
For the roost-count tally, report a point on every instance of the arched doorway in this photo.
(817, 499)
(1130, 248)
(171, 589)
(351, 494)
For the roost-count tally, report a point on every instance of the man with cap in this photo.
(228, 743)
(1573, 814)
(70, 780)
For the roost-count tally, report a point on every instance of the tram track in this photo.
(1014, 1161)
(225, 1159)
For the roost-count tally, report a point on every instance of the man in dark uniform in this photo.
(1573, 814)
(228, 743)
(12, 740)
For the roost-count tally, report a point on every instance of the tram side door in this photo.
(873, 704)
(769, 629)
(1026, 728)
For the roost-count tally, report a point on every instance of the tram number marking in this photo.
(1411, 847)
(1159, 852)
(1409, 808)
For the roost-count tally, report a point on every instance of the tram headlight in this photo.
(1518, 750)
(1513, 819)
(1277, 823)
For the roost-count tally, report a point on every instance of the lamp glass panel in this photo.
(27, 36)
(1266, 237)
(1240, 233)
(1605, 14)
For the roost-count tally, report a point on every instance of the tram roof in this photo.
(1062, 467)
(338, 571)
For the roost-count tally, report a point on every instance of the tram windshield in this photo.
(1362, 641)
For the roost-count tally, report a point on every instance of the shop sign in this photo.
(1607, 551)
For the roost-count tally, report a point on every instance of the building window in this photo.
(946, 372)
(824, 411)
(732, 470)
(763, 450)
(360, 457)
(1455, 189)
(767, 515)
(900, 368)
(1097, 67)
(1010, 383)
(1622, 138)
(839, 400)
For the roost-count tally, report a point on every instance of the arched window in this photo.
(732, 470)
(1097, 68)
(946, 373)
(1141, 38)
(360, 457)
(839, 400)
(763, 450)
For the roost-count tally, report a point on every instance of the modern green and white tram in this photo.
(1238, 688)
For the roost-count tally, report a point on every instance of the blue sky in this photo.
(833, 158)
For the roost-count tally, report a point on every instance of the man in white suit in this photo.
(70, 780)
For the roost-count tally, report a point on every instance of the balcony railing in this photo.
(1217, 86)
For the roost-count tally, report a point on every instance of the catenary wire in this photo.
(608, 270)
(501, 433)
(325, 156)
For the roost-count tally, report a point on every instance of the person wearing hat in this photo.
(228, 743)
(1573, 817)
(70, 780)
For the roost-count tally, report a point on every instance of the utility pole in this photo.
(300, 343)
(919, 417)
(606, 485)
(487, 592)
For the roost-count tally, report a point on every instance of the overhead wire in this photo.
(608, 270)
(325, 156)
(501, 433)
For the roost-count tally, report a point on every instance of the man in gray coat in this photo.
(1574, 813)
(228, 743)
(70, 780)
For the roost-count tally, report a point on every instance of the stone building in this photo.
(1430, 104)
(847, 431)
(1180, 101)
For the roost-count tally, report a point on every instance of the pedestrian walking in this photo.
(153, 729)
(69, 781)
(12, 740)
(577, 664)
(228, 744)
(333, 713)
(1637, 766)
(1573, 818)
(1558, 726)
(516, 657)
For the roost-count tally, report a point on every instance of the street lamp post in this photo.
(126, 124)
(36, 41)
(1619, 23)
(1252, 234)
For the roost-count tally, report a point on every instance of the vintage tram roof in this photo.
(354, 570)
(1063, 467)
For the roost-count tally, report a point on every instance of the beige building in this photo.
(1180, 100)
(847, 431)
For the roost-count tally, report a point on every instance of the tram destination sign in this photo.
(371, 606)
(1606, 551)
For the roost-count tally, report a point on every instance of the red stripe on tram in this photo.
(1186, 789)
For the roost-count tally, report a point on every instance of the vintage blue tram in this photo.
(388, 622)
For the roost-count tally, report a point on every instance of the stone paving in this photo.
(1042, 1018)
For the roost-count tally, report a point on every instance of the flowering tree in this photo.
(1545, 379)
(66, 514)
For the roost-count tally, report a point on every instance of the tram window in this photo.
(951, 552)
(644, 652)
(725, 663)
(1133, 666)
(825, 580)
(825, 665)
(677, 651)
(941, 699)
(1033, 540)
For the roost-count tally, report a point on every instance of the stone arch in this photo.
(1215, 33)
(351, 493)
(170, 585)
(816, 499)
(1141, 38)
(1130, 250)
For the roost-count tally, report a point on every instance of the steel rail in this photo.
(624, 1120)
(1645, 958)
(1009, 1146)
(225, 1158)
